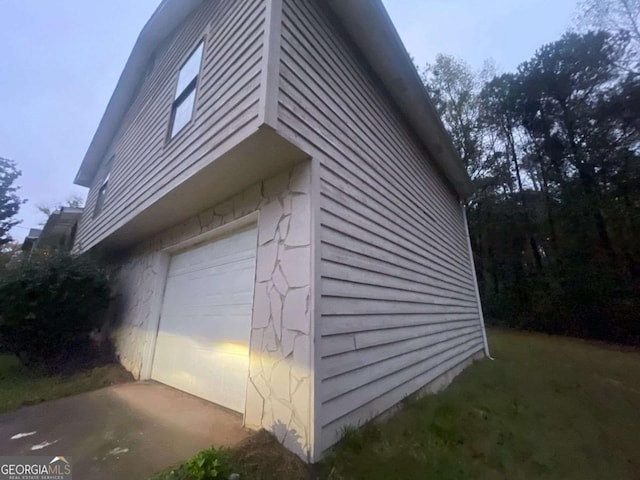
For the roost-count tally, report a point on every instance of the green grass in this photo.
(20, 386)
(547, 407)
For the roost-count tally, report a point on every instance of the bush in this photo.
(49, 304)
(209, 464)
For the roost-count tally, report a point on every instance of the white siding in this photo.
(398, 306)
(146, 165)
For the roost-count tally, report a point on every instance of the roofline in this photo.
(58, 215)
(71, 210)
(167, 17)
(370, 28)
(368, 24)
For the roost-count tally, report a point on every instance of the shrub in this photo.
(49, 304)
(209, 464)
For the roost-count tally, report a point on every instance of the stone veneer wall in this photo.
(279, 394)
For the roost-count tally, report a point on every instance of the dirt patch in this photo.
(115, 373)
(262, 457)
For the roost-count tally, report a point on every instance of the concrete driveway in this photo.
(127, 431)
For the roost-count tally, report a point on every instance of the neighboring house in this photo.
(284, 212)
(31, 239)
(58, 232)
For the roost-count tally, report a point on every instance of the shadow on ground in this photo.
(126, 431)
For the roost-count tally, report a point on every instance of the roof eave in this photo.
(371, 29)
(168, 16)
(369, 26)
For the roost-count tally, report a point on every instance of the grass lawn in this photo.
(20, 386)
(547, 407)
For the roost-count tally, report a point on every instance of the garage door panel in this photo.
(203, 339)
(235, 277)
(211, 328)
(177, 306)
(196, 297)
(225, 251)
(204, 266)
(220, 367)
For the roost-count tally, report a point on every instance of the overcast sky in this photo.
(60, 61)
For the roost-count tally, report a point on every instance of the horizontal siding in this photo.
(146, 166)
(393, 388)
(398, 301)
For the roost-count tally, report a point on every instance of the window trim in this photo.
(188, 90)
(191, 87)
(102, 197)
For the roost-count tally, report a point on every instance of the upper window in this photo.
(102, 193)
(185, 98)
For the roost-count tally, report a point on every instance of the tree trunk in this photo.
(514, 157)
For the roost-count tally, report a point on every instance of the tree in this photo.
(50, 303)
(8, 252)
(619, 17)
(499, 105)
(563, 90)
(10, 202)
(454, 89)
(554, 152)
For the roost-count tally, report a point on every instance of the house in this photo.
(31, 239)
(283, 209)
(60, 229)
(58, 233)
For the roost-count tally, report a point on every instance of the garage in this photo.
(203, 338)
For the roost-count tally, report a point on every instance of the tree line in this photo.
(554, 152)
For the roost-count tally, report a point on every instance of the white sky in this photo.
(60, 61)
(507, 31)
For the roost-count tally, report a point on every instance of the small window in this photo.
(102, 193)
(185, 98)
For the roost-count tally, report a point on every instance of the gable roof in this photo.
(370, 28)
(167, 17)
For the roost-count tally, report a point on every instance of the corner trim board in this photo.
(316, 298)
(475, 282)
(270, 81)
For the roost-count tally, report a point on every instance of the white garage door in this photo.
(205, 325)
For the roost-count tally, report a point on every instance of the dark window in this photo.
(102, 193)
(185, 97)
